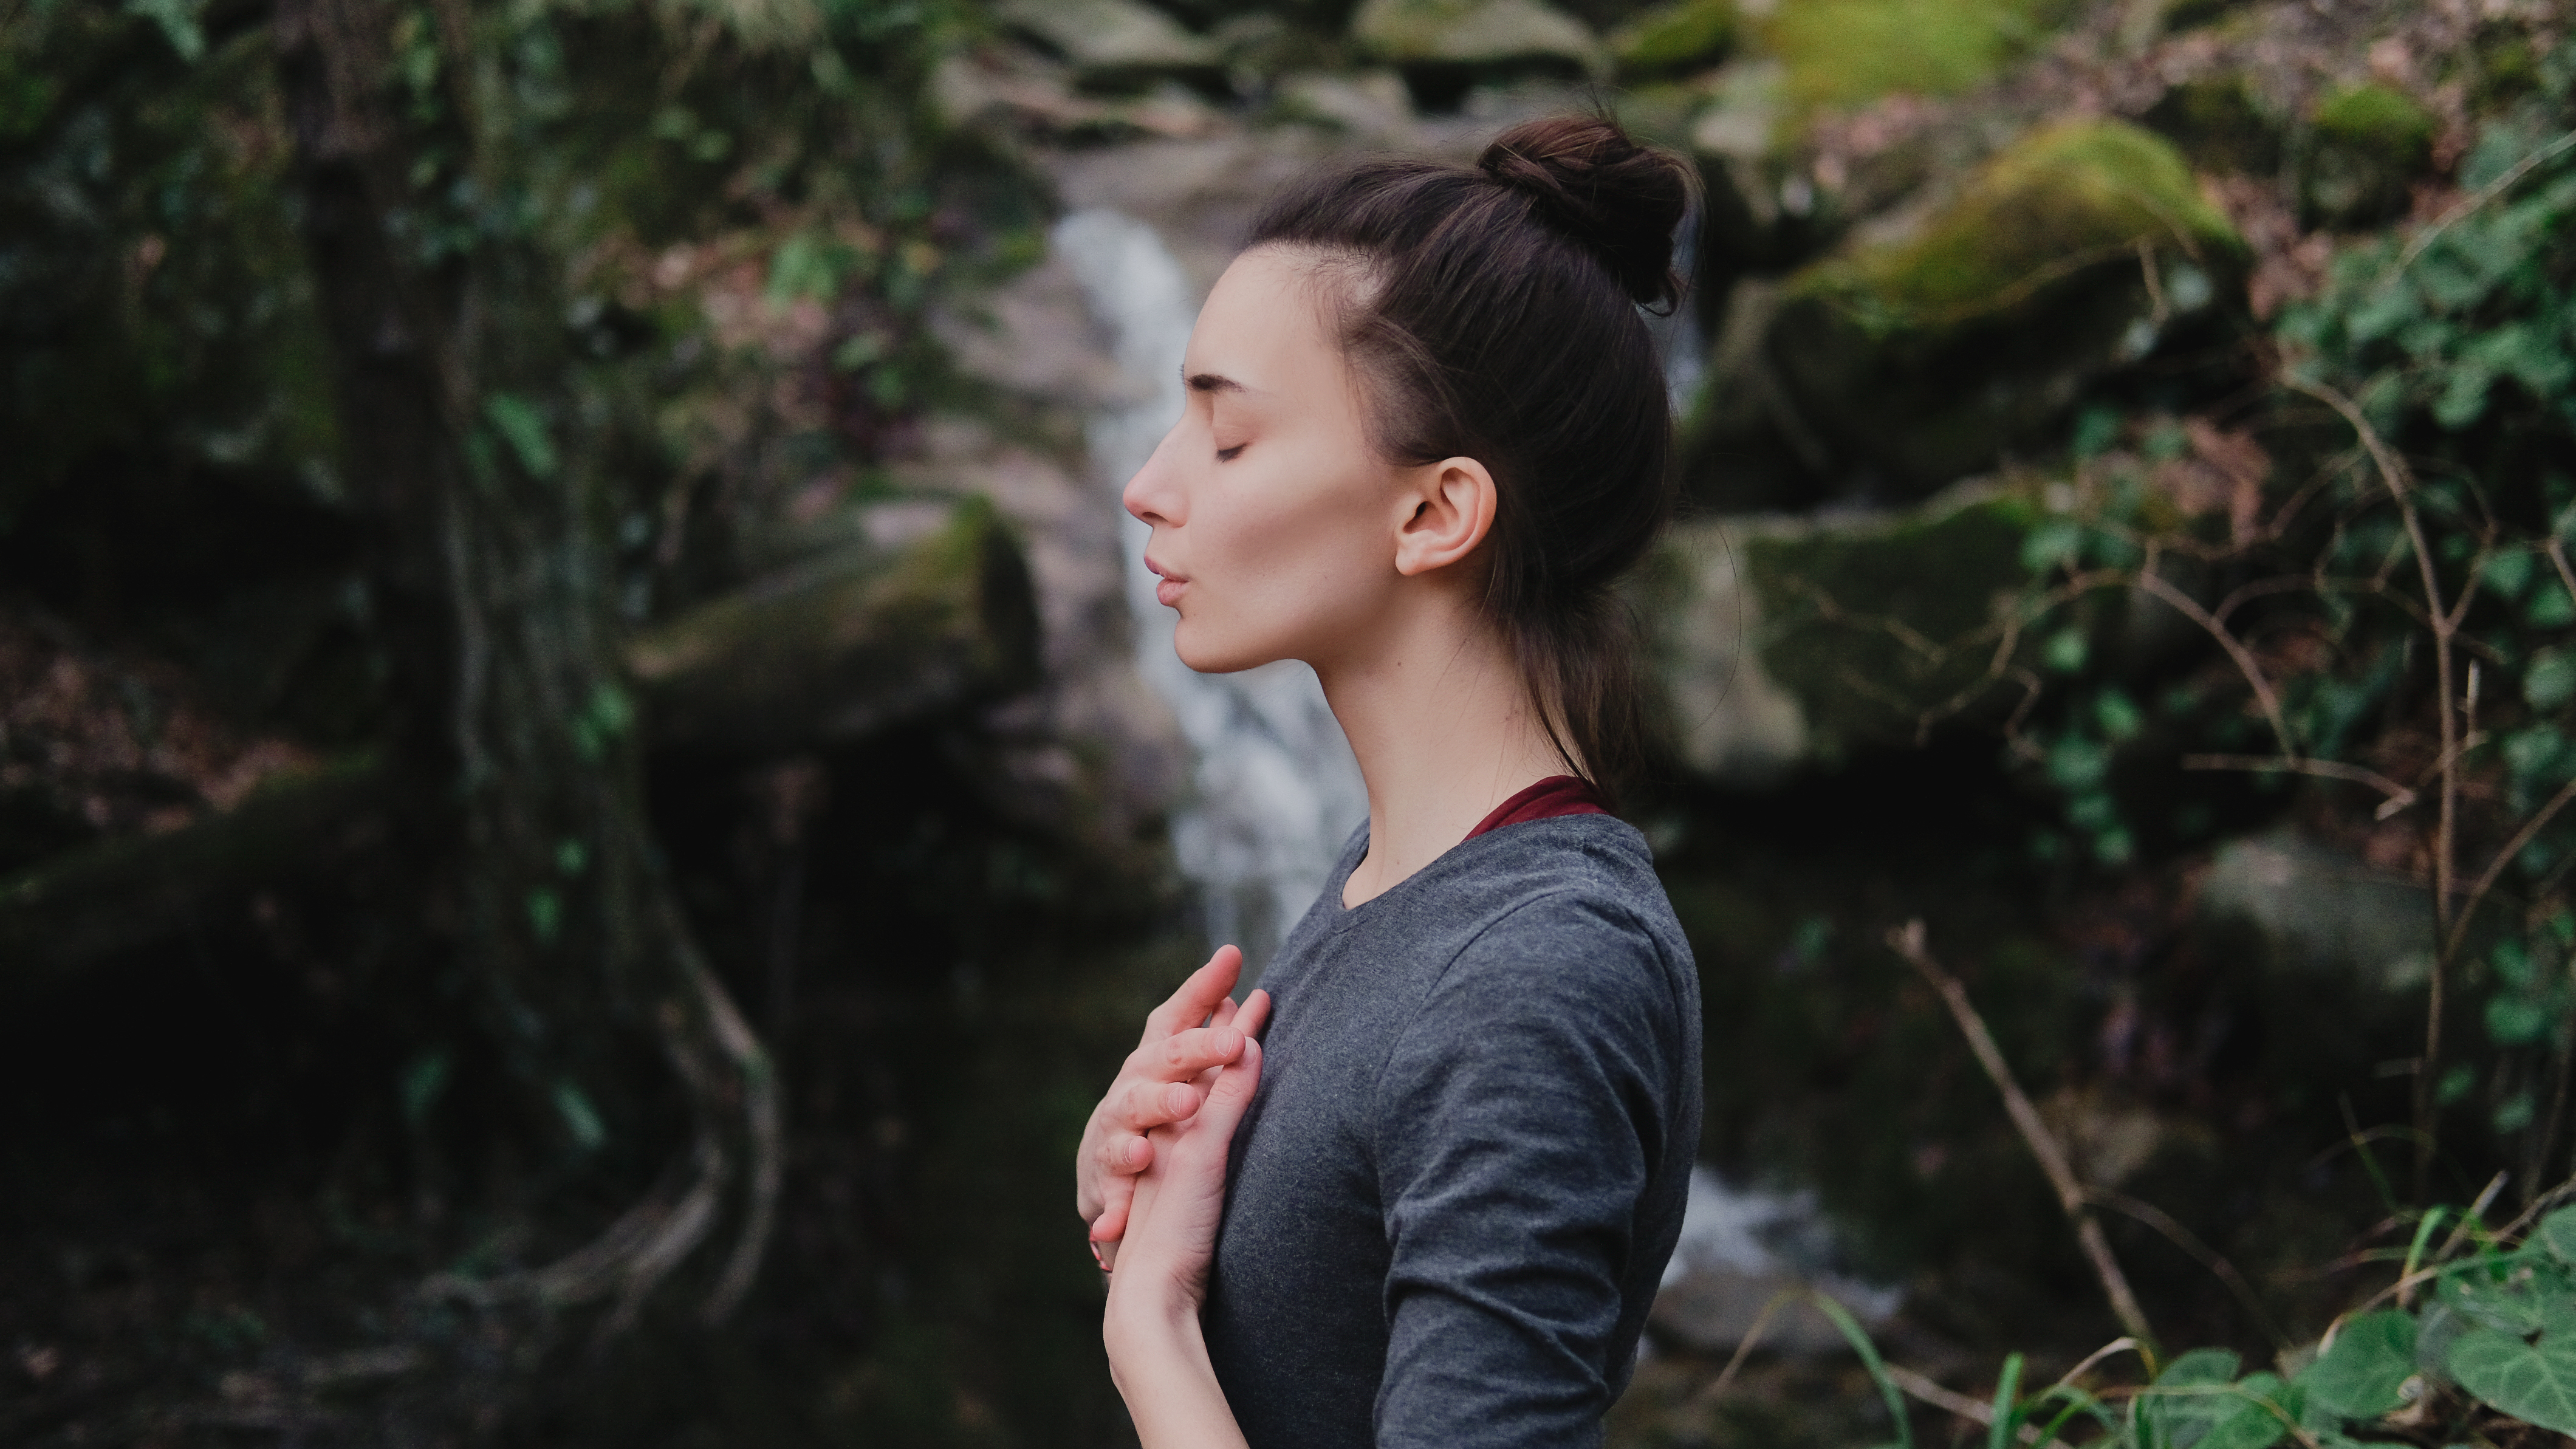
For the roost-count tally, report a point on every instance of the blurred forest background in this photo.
(586, 801)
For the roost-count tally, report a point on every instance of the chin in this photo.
(1206, 652)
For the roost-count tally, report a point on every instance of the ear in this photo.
(1449, 510)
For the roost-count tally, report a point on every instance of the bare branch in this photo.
(2398, 795)
(2208, 1257)
(2538, 822)
(2071, 1195)
(2190, 608)
(2483, 195)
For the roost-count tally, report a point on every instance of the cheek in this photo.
(1290, 553)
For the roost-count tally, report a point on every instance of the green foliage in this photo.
(1674, 37)
(2506, 1341)
(1845, 52)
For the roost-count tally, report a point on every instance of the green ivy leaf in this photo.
(2188, 1399)
(2360, 1374)
(2557, 1233)
(524, 429)
(2257, 1424)
(2516, 1020)
(2534, 1382)
(2550, 679)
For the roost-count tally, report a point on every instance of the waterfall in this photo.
(1273, 790)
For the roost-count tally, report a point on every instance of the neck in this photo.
(1442, 724)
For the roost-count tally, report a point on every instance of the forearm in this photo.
(1160, 1363)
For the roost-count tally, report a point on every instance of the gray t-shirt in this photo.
(1453, 1196)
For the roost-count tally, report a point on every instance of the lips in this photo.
(1167, 592)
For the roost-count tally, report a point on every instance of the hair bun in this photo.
(1595, 183)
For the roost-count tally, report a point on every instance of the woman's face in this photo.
(1275, 525)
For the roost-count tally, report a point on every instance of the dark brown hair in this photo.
(1494, 314)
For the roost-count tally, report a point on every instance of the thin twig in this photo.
(2071, 1196)
(2504, 857)
(2444, 624)
(2208, 1257)
(1976, 1411)
(1744, 1346)
(2485, 194)
(2398, 795)
(2190, 608)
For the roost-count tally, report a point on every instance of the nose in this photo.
(1154, 496)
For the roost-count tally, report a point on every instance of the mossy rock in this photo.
(2074, 252)
(1849, 52)
(1673, 39)
(2219, 125)
(2367, 144)
(1114, 45)
(1784, 645)
(848, 642)
(1475, 39)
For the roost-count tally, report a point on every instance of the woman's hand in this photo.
(1162, 1082)
(1151, 1328)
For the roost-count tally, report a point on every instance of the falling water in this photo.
(1273, 790)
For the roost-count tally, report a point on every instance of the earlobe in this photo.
(1452, 509)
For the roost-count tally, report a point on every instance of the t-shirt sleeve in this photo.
(1515, 1124)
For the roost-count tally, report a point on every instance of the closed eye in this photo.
(1228, 455)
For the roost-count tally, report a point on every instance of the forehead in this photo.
(1263, 325)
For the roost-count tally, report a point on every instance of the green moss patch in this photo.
(1846, 52)
(2058, 201)
(1674, 38)
(2375, 118)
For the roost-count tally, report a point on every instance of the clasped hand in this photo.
(1161, 1087)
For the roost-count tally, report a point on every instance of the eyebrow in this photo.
(1213, 382)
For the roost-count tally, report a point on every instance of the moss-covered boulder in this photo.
(1442, 45)
(1114, 45)
(1847, 52)
(1674, 39)
(1783, 644)
(2076, 251)
(927, 608)
(2367, 144)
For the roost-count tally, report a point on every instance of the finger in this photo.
(1111, 1225)
(1231, 1095)
(1180, 1058)
(1224, 1012)
(1255, 1014)
(1124, 1155)
(1198, 995)
(1160, 1105)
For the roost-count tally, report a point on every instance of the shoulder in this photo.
(1569, 911)
(1580, 883)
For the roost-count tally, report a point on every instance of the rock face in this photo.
(1115, 44)
(1777, 643)
(2070, 254)
(2315, 913)
(1476, 36)
(932, 613)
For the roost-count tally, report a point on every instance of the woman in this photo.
(1426, 433)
